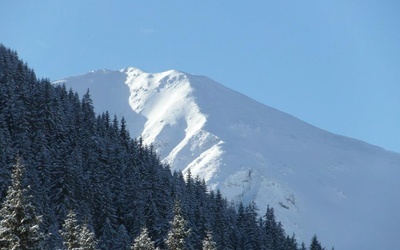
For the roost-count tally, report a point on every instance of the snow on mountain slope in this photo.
(343, 190)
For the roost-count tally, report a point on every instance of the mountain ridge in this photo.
(251, 151)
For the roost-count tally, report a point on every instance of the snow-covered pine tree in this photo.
(87, 239)
(143, 241)
(77, 236)
(179, 232)
(19, 225)
(208, 242)
(71, 231)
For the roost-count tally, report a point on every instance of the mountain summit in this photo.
(342, 189)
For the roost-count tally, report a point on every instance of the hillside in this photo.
(318, 182)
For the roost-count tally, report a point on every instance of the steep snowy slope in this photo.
(344, 190)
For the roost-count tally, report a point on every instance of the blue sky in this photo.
(334, 64)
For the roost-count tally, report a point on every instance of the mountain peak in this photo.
(132, 71)
(316, 180)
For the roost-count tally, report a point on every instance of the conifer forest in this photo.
(73, 179)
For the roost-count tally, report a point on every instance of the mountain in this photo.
(72, 180)
(342, 189)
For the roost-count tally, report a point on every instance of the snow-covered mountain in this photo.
(344, 190)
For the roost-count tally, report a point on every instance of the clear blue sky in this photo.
(334, 64)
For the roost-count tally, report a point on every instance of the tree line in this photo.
(71, 179)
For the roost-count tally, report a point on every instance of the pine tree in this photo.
(87, 239)
(77, 236)
(107, 236)
(221, 224)
(274, 233)
(179, 232)
(290, 243)
(208, 242)
(19, 225)
(54, 239)
(71, 231)
(122, 240)
(315, 244)
(143, 241)
(303, 246)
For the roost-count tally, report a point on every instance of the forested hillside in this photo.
(71, 179)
